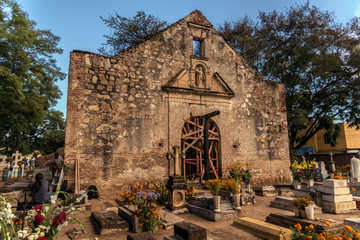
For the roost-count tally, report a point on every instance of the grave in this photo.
(336, 197)
(263, 229)
(355, 179)
(289, 220)
(187, 231)
(127, 213)
(284, 203)
(323, 172)
(352, 222)
(265, 191)
(247, 199)
(108, 223)
(106, 206)
(203, 206)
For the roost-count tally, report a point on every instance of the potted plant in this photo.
(232, 186)
(234, 170)
(297, 174)
(309, 172)
(300, 203)
(214, 186)
(246, 175)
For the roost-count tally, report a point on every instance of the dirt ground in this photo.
(221, 230)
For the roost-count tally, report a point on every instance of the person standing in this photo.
(55, 162)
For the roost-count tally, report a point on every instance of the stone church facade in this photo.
(125, 112)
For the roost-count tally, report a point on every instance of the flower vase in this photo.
(236, 199)
(302, 214)
(248, 186)
(217, 200)
(331, 175)
(309, 213)
(309, 182)
(296, 184)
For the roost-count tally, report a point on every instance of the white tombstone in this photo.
(355, 170)
(322, 168)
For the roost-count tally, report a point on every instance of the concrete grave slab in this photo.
(334, 183)
(266, 191)
(352, 222)
(337, 198)
(334, 191)
(262, 229)
(340, 207)
(108, 223)
(190, 231)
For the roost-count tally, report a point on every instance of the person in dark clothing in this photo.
(39, 190)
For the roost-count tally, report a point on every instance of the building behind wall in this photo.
(124, 113)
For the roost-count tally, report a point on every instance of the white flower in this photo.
(42, 234)
(25, 232)
(53, 198)
(66, 223)
(46, 208)
(31, 237)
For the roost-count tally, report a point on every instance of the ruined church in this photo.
(186, 86)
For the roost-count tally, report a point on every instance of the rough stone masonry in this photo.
(125, 112)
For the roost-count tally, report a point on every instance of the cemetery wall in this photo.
(121, 122)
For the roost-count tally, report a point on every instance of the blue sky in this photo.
(78, 22)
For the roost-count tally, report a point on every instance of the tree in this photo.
(28, 73)
(51, 134)
(127, 32)
(316, 58)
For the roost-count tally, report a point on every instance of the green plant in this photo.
(160, 188)
(148, 212)
(214, 185)
(301, 202)
(65, 167)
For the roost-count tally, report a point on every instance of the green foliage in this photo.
(28, 73)
(316, 58)
(126, 32)
(160, 188)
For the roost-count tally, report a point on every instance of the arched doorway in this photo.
(192, 144)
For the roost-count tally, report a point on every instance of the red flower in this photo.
(300, 172)
(37, 208)
(39, 218)
(313, 169)
(41, 238)
(60, 219)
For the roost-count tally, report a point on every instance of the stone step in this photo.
(262, 229)
(226, 206)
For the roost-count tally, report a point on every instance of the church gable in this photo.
(199, 78)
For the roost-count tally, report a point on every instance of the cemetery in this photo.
(163, 142)
(185, 209)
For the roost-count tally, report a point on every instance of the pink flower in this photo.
(39, 218)
(313, 169)
(300, 172)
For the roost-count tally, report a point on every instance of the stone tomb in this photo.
(336, 197)
(108, 223)
(266, 191)
(288, 220)
(285, 204)
(263, 229)
(352, 222)
(127, 213)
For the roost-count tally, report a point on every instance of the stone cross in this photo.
(177, 156)
(17, 155)
(355, 169)
(332, 163)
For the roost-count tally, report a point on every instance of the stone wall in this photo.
(121, 120)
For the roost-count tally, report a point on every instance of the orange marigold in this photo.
(348, 228)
